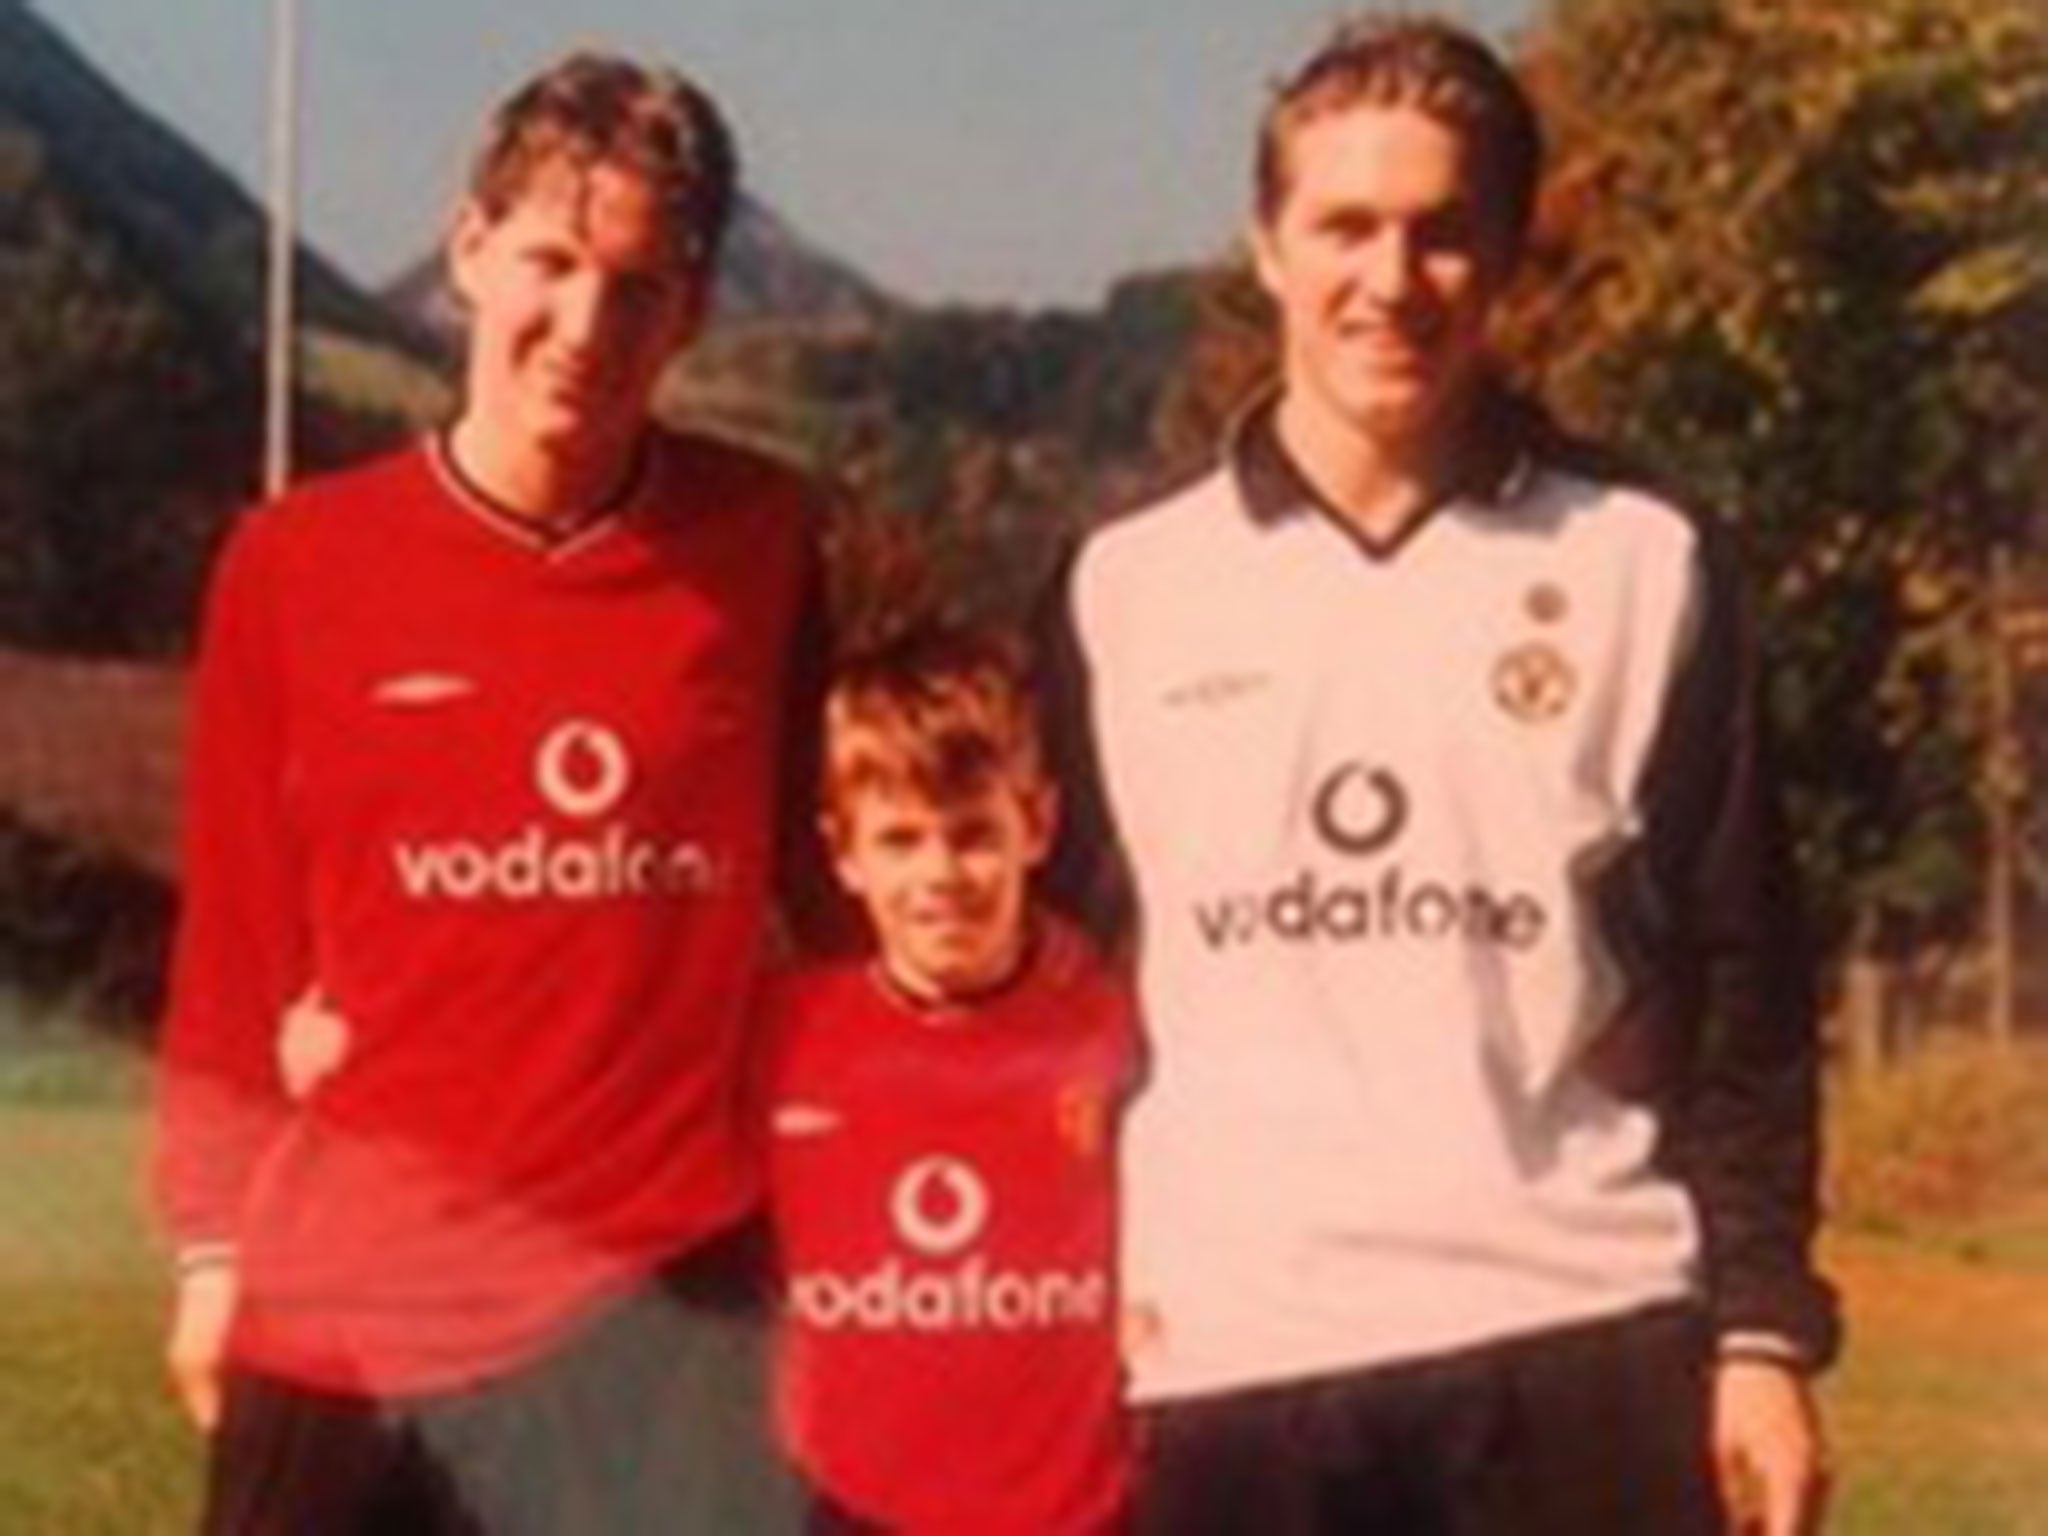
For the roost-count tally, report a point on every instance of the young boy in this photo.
(485, 741)
(940, 1120)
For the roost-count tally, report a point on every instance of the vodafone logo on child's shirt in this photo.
(940, 1207)
(582, 771)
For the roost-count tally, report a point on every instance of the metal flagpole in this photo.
(279, 319)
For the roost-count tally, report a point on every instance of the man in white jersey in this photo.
(1473, 1185)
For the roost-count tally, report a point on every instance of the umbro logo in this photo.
(415, 689)
(799, 1120)
(1214, 689)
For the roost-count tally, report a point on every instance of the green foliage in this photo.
(130, 402)
(974, 444)
(1791, 255)
(90, 1441)
(80, 929)
(1947, 1138)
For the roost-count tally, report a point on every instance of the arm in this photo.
(240, 957)
(1086, 875)
(815, 916)
(1746, 1131)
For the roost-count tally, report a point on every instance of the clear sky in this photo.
(1027, 151)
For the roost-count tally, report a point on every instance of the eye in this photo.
(547, 262)
(896, 839)
(641, 290)
(1444, 231)
(976, 834)
(1349, 226)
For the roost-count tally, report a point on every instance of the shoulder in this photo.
(1166, 545)
(1075, 982)
(711, 471)
(797, 1000)
(1598, 511)
(1195, 512)
(319, 522)
(1614, 496)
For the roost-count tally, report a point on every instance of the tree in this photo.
(1791, 253)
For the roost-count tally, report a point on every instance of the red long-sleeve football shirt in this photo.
(510, 807)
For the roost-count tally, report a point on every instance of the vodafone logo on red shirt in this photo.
(583, 773)
(582, 769)
(940, 1209)
(939, 1205)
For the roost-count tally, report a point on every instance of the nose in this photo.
(1388, 266)
(580, 316)
(942, 862)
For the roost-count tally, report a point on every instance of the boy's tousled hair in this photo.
(942, 712)
(1437, 68)
(592, 109)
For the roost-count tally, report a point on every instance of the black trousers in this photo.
(651, 1419)
(1595, 1430)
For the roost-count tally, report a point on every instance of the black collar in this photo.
(1506, 447)
(546, 533)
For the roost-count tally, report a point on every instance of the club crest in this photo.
(1534, 682)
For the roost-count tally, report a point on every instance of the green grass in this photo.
(1937, 1411)
(1938, 1406)
(89, 1441)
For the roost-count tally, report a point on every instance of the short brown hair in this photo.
(595, 109)
(1439, 69)
(941, 712)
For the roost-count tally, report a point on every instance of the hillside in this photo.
(165, 207)
(129, 357)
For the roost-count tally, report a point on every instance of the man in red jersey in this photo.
(485, 749)
(940, 1121)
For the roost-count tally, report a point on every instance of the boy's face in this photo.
(945, 884)
(1382, 262)
(577, 300)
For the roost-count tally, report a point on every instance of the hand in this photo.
(312, 1042)
(1768, 1453)
(200, 1320)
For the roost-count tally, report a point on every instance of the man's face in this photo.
(945, 884)
(1381, 262)
(577, 300)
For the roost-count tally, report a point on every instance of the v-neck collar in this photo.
(1274, 490)
(554, 538)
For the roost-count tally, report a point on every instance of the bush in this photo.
(1951, 1135)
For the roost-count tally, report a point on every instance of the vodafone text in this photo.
(582, 770)
(1359, 812)
(939, 1206)
(968, 1295)
(531, 865)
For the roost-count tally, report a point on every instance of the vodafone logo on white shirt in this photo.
(583, 772)
(940, 1208)
(1361, 813)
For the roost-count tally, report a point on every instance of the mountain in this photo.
(130, 367)
(165, 206)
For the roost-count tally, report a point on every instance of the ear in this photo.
(464, 248)
(1042, 822)
(1265, 256)
(832, 836)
